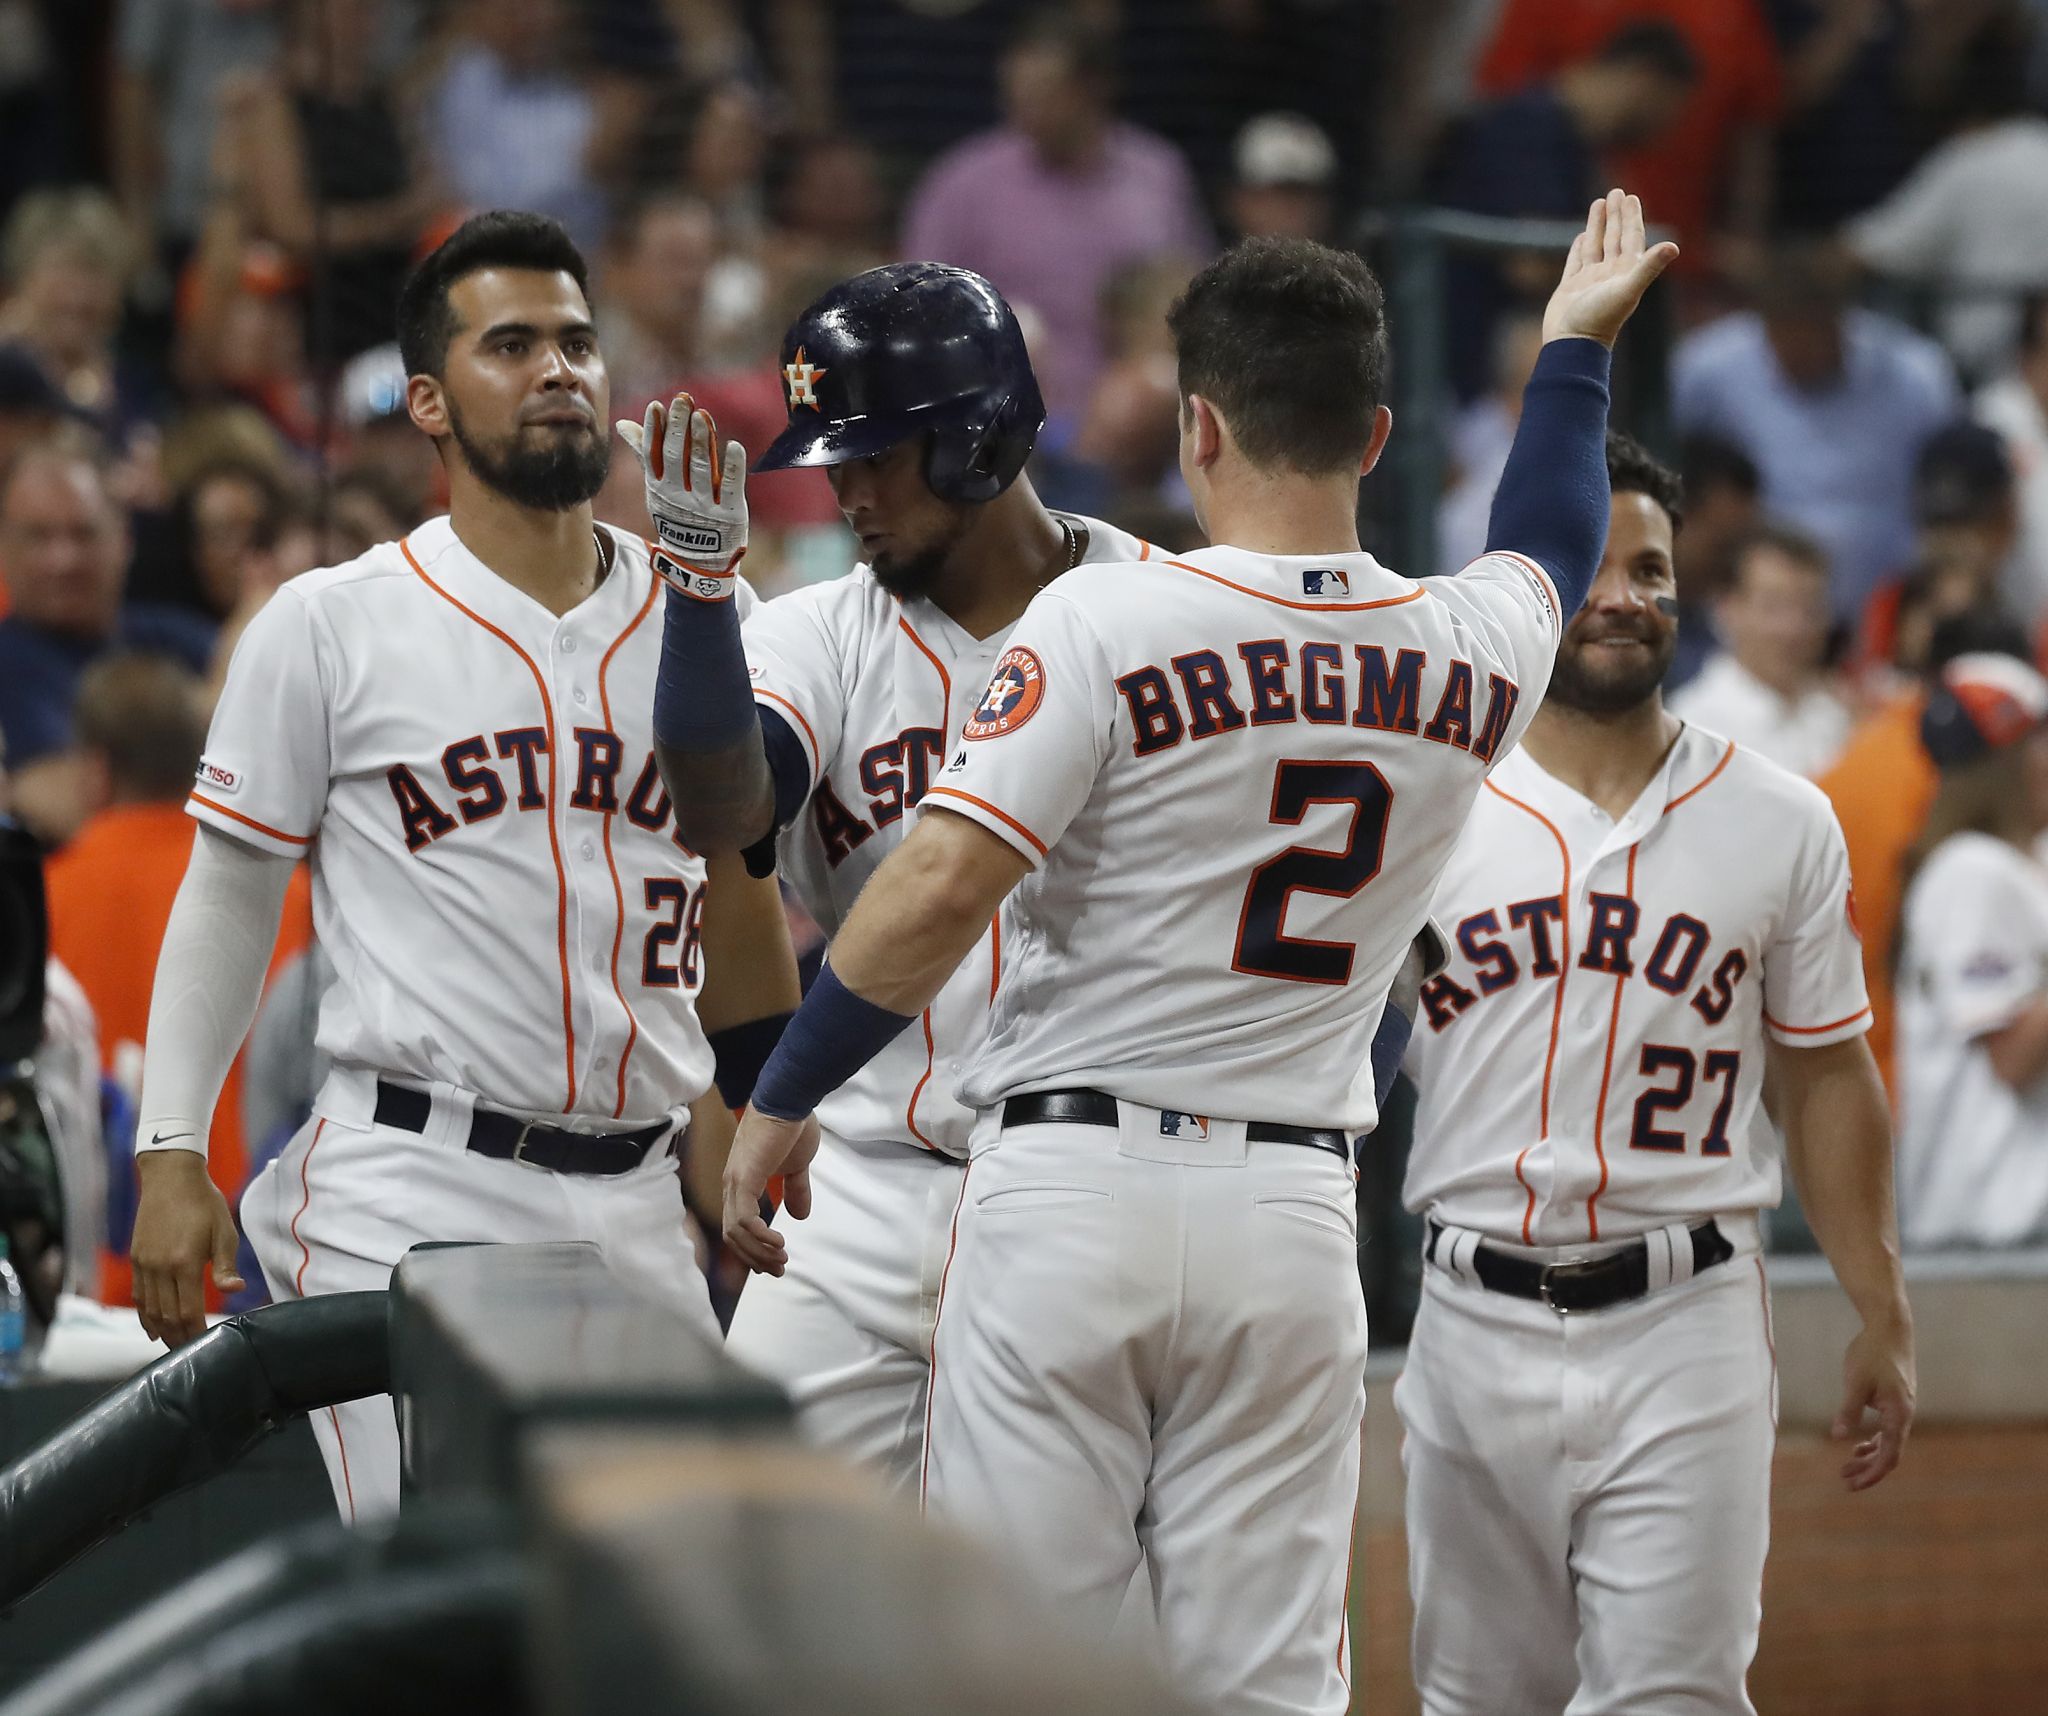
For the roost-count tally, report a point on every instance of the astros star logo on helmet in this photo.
(801, 375)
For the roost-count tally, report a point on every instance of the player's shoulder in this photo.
(846, 608)
(1761, 795)
(1970, 859)
(1132, 589)
(332, 590)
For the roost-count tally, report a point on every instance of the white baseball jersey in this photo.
(877, 690)
(1591, 1061)
(1973, 1152)
(496, 874)
(1237, 777)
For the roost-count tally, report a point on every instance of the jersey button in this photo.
(568, 646)
(581, 698)
(590, 849)
(602, 1062)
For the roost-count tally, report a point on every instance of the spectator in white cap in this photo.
(1973, 968)
(1284, 171)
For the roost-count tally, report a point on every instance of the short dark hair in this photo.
(1711, 462)
(1288, 339)
(147, 715)
(1632, 469)
(503, 238)
(1784, 539)
(1087, 48)
(1656, 44)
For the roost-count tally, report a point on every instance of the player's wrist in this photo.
(168, 1152)
(699, 583)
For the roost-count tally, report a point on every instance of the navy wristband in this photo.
(830, 1038)
(738, 1054)
(1552, 500)
(703, 697)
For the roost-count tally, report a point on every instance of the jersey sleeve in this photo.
(1814, 993)
(1511, 605)
(264, 776)
(1982, 970)
(1028, 755)
(798, 669)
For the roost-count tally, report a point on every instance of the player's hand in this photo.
(763, 1148)
(182, 1224)
(696, 496)
(1877, 1379)
(1609, 269)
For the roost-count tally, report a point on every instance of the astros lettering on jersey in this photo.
(877, 689)
(453, 754)
(1131, 706)
(1588, 1061)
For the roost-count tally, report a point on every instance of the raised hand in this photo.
(1610, 267)
(696, 497)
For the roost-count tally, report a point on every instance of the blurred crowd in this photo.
(207, 206)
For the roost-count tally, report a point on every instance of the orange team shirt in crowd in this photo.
(110, 893)
(1741, 83)
(1881, 787)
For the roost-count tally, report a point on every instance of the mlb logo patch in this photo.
(1195, 1126)
(1325, 581)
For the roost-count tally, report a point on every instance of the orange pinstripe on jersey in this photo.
(1814, 1030)
(1607, 1070)
(1564, 969)
(604, 703)
(1713, 775)
(251, 822)
(547, 710)
(996, 811)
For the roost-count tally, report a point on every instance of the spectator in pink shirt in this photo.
(1052, 203)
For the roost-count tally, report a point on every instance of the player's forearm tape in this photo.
(830, 1038)
(703, 699)
(1552, 501)
(739, 1052)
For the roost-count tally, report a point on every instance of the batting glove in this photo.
(697, 501)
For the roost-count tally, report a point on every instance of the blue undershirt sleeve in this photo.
(703, 697)
(788, 766)
(1553, 500)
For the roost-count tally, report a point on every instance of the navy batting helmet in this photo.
(916, 348)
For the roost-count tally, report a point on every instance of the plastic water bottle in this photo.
(13, 1319)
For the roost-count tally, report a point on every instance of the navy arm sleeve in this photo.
(703, 698)
(1552, 501)
(788, 766)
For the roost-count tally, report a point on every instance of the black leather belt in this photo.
(1097, 1108)
(1591, 1283)
(510, 1139)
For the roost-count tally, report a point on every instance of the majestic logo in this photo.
(1172, 1125)
(802, 379)
(1325, 581)
(1015, 690)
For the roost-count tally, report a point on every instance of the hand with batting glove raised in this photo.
(763, 1148)
(696, 496)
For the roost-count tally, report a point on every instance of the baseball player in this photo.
(1648, 924)
(454, 730)
(1211, 797)
(911, 385)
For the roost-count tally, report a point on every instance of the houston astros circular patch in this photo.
(1015, 690)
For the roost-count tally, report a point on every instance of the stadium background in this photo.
(205, 207)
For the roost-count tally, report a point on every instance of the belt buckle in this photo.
(1577, 1269)
(519, 1144)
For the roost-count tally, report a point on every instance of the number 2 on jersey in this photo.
(1264, 949)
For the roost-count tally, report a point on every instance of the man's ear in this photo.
(1382, 427)
(427, 405)
(1205, 430)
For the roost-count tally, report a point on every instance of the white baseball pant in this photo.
(1589, 1497)
(846, 1329)
(1150, 1356)
(343, 1202)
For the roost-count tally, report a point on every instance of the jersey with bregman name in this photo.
(877, 689)
(496, 873)
(1591, 1061)
(1237, 777)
